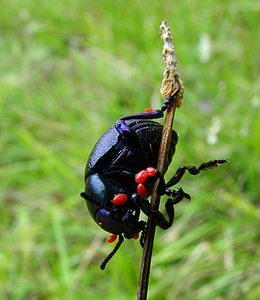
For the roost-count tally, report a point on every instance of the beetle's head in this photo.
(114, 217)
(118, 221)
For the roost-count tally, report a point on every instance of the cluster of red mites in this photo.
(122, 198)
(140, 179)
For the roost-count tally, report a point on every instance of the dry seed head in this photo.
(171, 83)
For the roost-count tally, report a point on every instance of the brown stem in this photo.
(155, 202)
(171, 86)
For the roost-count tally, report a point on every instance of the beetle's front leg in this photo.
(194, 170)
(167, 102)
(148, 115)
(125, 131)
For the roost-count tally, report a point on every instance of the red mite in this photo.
(141, 176)
(120, 199)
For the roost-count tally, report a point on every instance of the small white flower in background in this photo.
(214, 130)
(204, 48)
(255, 101)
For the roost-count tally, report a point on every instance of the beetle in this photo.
(120, 174)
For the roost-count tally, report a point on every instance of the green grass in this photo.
(68, 70)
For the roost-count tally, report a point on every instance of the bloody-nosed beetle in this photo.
(120, 174)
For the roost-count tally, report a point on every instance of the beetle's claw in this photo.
(177, 195)
(167, 102)
(143, 235)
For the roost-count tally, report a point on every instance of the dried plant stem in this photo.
(171, 87)
(155, 202)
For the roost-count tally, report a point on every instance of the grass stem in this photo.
(171, 87)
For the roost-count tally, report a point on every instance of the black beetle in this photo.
(120, 174)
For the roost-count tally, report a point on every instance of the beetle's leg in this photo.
(168, 101)
(177, 195)
(157, 216)
(143, 235)
(194, 170)
(112, 253)
(141, 228)
(153, 114)
(126, 131)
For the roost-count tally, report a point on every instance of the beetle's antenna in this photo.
(112, 253)
(86, 197)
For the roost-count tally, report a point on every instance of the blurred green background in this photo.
(68, 70)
